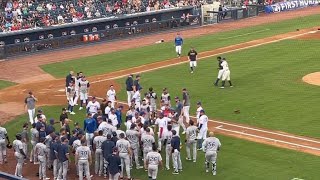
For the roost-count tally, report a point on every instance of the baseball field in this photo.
(271, 59)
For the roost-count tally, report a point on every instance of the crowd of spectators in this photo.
(25, 14)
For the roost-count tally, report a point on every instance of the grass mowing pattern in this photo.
(139, 56)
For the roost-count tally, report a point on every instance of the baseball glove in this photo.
(9, 146)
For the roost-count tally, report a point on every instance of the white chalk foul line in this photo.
(270, 139)
(245, 34)
(204, 57)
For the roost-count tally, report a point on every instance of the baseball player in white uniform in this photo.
(167, 143)
(191, 141)
(3, 149)
(137, 99)
(83, 160)
(161, 123)
(84, 87)
(165, 97)
(211, 146)
(93, 106)
(106, 127)
(124, 148)
(153, 160)
(77, 81)
(19, 154)
(226, 73)
(203, 128)
(111, 96)
(199, 108)
(70, 97)
(147, 141)
(41, 151)
(152, 102)
(97, 142)
(133, 137)
(220, 72)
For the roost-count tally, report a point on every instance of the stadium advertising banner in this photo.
(290, 5)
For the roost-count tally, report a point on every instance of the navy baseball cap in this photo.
(129, 117)
(114, 133)
(198, 103)
(63, 139)
(121, 106)
(202, 111)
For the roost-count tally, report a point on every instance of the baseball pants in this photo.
(202, 133)
(177, 165)
(98, 162)
(135, 150)
(125, 163)
(31, 113)
(181, 123)
(178, 49)
(42, 167)
(55, 168)
(48, 162)
(20, 160)
(105, 167)
(3, 151)
(33, 156)
(226, 75)
(89, 137)
(114, 176)
(153, 171)
(76, 96)
(25, 148)
(145, 152)
(168, 152)
(137, 106)
(193, 63)
(185, 110)
(129, 95)
(192, 144)
(63, 170)
(84, 165)
(211, 157)
(83, 97)
(220, 73)
(113, 102)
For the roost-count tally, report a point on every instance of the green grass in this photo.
(238, 159)
(4, 84)
(139, 56)
(268, 88)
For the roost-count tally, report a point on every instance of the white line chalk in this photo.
(245, 34)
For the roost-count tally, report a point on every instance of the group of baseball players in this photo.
(223, 67)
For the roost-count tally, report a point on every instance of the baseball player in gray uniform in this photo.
(63, 155)
(83, 160)
(47, 143)
(25, 138)
(3, 149)
(97, 142)
(147, 141)
(133, 137)
(41, 151)
(152, 162)
(153, 102)
(167, 144)
(19, 154)
(211, 146)
(191, 141)
(34, 140)
(125, 154)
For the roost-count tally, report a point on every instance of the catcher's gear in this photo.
(9, 146)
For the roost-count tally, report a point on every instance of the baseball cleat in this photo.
(76, 104)
(231, 86)
(200, 149)
(188, 159)
(214, 173)
(207, 170)
(183, 132)
(175, 172)
(222, 87)
(191, 71)
(194, 161)
(72, 113)
(139, 167)
(167, 169)
(80, 108)
(46, 178)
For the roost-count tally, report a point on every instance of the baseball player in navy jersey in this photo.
(70, 97)
(129, 88)
(191, 141)
(3, 149)
(124, 149)
(133, 137)
(97, 143)
(83, 160)
(175, 149)
(179, 116)
(152, 162)
(69, 78)
(220, 72)
(41, 151)
(84, 87)
(63, 155)
(167, 144)
(178, 42)
(211, 146)
(226, 73)
(112, 96)
(147, 141)
(203, 128)
(19, 154)
(53, 157)
(114, 164)
(192, 57)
